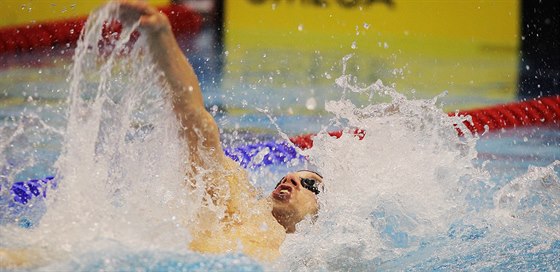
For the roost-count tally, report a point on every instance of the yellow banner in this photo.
(463, 46)
(21, 12)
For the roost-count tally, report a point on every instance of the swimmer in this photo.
(257, 227)
(232, 217)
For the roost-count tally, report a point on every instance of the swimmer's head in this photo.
(295, 197)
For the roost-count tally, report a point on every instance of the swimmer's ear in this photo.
(314, 217)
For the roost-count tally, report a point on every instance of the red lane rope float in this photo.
(539, 112)
(305, 141)
(36, 36)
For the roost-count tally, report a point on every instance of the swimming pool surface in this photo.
(410, 196)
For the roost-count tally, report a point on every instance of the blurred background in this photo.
(286, 54)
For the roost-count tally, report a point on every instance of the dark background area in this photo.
(539, 71)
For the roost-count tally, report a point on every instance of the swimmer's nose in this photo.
(292, 179)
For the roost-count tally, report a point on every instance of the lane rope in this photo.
(46, 35)
(539, 112)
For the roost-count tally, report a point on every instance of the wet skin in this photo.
(292, 202)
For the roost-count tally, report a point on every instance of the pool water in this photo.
(411, 195)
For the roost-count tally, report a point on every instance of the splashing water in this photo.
(385, 192)
(410, 191)
(120, 175)
(409, 194)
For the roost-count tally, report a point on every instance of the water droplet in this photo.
(527, 67)
(366, 25)
(311, 103)
(354, 46)
(300, 27)
(214, 110)
(264, 226)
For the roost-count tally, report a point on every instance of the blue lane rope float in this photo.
(23, 191)
(252, 156)
(259, 155)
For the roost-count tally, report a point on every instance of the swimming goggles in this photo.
(309, 184)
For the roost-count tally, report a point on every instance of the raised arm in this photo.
(246, 220)
(198, 126)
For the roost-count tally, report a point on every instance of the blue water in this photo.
(506, 155)
(116, 260)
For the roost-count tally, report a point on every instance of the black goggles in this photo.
(309, 184)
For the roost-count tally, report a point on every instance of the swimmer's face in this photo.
(295, 197)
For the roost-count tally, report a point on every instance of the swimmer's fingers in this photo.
(155, 22)
(136, 8)
(150, 18)
(132, 11)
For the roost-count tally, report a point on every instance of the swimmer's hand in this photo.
(151, 20)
